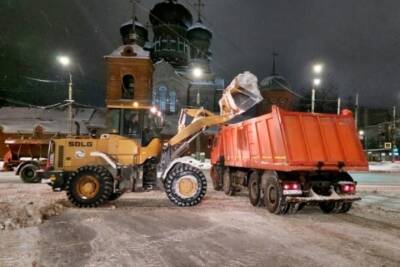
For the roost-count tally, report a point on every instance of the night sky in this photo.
(357, 40)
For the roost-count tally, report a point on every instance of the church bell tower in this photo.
(129, 67)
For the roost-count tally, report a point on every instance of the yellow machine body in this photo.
(72, 153)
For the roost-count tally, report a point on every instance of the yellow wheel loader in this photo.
(131, 157)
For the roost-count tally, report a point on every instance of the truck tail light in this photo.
(348, 188)
(291, 188)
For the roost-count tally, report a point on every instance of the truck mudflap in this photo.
(315, 198)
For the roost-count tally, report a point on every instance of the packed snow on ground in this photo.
(385, 166)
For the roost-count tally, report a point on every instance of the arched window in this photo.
(172, 102)
(162, 94)
(128, 87)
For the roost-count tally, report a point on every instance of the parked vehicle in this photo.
(25, 157)
(290, 159)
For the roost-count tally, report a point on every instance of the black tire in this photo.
(28, 173)
(115, 196)
(96, 174)
(228, 183)
(216, 178)
(274, 199)
(254, 189)
(330, 207)
(346, 206)
(197, 190)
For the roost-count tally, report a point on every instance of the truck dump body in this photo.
(292, 141)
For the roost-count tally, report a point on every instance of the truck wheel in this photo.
(216, 179)
(185, 185)
(254, 189)
(330, 207)
(273, 197)
(346, 207)
(28, 173)
(228, 183)
(89, 186)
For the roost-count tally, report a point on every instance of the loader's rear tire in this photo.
(274, 199)
(28, 173)
(185, 185)
(228, 183)
(254, 189)
(90, 186)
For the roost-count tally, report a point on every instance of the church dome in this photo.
(198, 31)
(274, 82)
(170, 13)
(141, 33)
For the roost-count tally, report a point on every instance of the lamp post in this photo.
(316, 83)
(197, 74)
(66, 62)
(317, 70)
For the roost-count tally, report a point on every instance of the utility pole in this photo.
(312, 100)
(339, 102)
(394, 133)
(70, 101)
(356, 111)
(198, 141)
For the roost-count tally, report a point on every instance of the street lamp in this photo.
(66, 62)
(316, 83)
(317, 68)
(197, 72)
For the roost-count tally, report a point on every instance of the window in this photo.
(172, 102)
(164, 99)
(162, 94)
(128, 87)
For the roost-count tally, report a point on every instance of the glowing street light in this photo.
(318, 68)
(64, 61)
(197, 72)
(317, 82)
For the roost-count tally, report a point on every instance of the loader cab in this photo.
(142, 124)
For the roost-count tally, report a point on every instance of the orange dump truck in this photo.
(290, 159)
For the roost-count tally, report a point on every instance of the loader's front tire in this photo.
(89, 186)
(185, 185)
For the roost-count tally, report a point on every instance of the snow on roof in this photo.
(140, 52)
(199, 25)
(137, 23)
(25, 120)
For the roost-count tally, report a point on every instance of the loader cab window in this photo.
(135, 124)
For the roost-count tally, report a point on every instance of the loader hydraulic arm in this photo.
(237, 98)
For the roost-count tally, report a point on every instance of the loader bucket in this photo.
(241, 95)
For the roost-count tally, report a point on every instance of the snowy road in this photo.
(145, 229)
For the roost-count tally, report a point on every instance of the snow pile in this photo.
(385, 166)
(14, 216)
